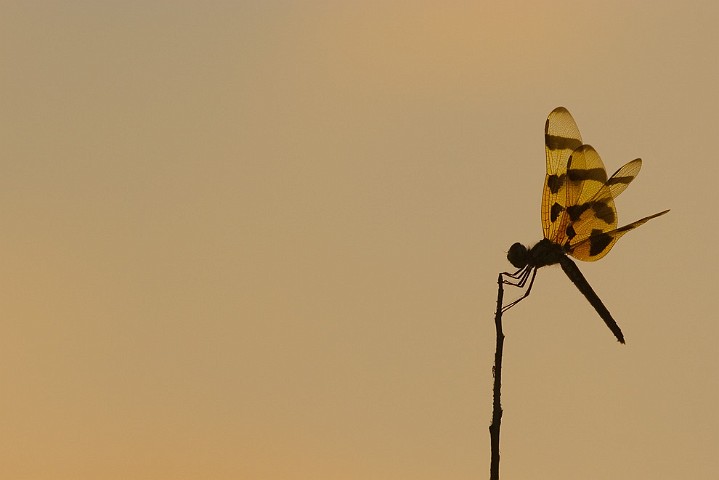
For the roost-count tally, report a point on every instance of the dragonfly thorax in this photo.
(542, 254)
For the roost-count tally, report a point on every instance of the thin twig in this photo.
(497, 390)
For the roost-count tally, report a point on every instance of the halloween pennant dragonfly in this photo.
(578, 213)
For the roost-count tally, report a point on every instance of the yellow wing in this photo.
(592, 219)
(561, 138)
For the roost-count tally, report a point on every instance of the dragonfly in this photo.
(579, 218)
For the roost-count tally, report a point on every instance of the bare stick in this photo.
(497, 373)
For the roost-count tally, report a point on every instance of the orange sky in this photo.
(260, 240)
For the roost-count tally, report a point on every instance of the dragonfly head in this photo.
(518, 255)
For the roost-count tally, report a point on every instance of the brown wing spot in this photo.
(581, 174)
(604, 212)
(624, 180)
(575, 211)
(555, 182)
(598, 241)
(557, 142)
(570, 232)
(555, 212)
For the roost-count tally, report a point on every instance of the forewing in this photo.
(599, 243)
(561, 138)
(586, 177)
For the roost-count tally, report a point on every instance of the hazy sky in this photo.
(260, 240)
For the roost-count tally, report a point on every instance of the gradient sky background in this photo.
(260, 240)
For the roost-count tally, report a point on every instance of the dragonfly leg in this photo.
(518, 278)
(522, 281)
